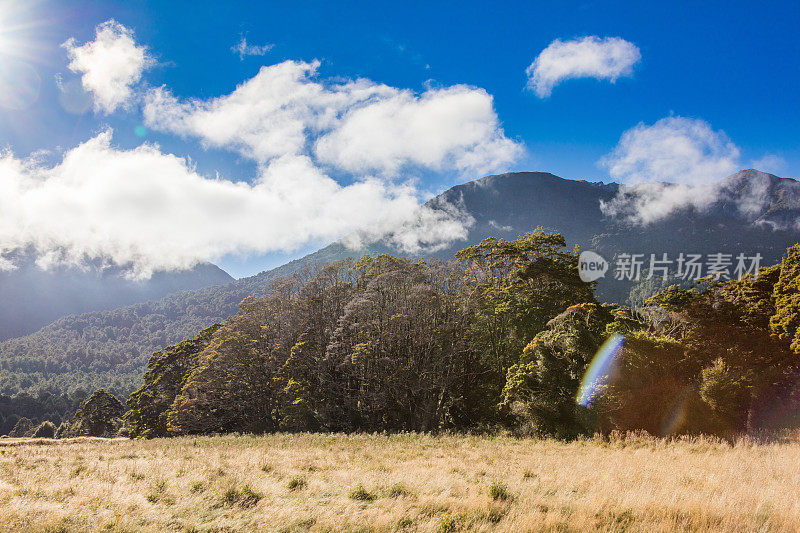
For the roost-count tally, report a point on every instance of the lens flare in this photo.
(599, 369)
(677, 416)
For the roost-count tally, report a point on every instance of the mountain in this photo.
(750, 212)
(33, 297)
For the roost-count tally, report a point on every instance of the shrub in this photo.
(157, 491)
(449, 522)
(46, 430)
(249, 497)
(22, 428)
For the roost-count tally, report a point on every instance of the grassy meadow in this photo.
(407, 482)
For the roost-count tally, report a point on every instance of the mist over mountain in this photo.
(749, 212)
(33, 297)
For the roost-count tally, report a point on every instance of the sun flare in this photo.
(20, 81)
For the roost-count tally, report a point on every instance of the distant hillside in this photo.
(32, 297)
(111, 348)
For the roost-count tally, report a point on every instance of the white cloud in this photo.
(676, 162)
(430, 227)
(110, 65)
(147, 210)
(357, 126)
(496, 225)
(645, 203)
(674, 149)
(588, 57)
(266, 117)
(244, 49)
(442, 129)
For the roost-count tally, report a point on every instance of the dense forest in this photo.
(506, 335)
(503, 336)
(45, 406)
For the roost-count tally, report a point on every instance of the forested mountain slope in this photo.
(32, 297)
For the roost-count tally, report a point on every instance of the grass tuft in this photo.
(405, 522)
(360, 493)
(244, 497)
(499, 492)
(398, 490)
(449, 522)
(296, 483)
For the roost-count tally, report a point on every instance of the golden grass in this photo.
(397, 483)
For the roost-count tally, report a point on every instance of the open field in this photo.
(402, 482)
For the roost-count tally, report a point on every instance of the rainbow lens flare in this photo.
(599, 369)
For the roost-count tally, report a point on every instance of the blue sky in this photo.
(733, 65)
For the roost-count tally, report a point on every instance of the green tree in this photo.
(166, 373)
(724, 389)
(785, 323)
(405, 362)
(652, 386)
(730, 325)
(232, 386)
(100, 415)
(542, 387)
(515, 288)
(22, 428)
(304, 380)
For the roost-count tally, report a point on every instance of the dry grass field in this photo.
(397, 483)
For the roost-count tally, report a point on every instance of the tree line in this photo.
(503, 336)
